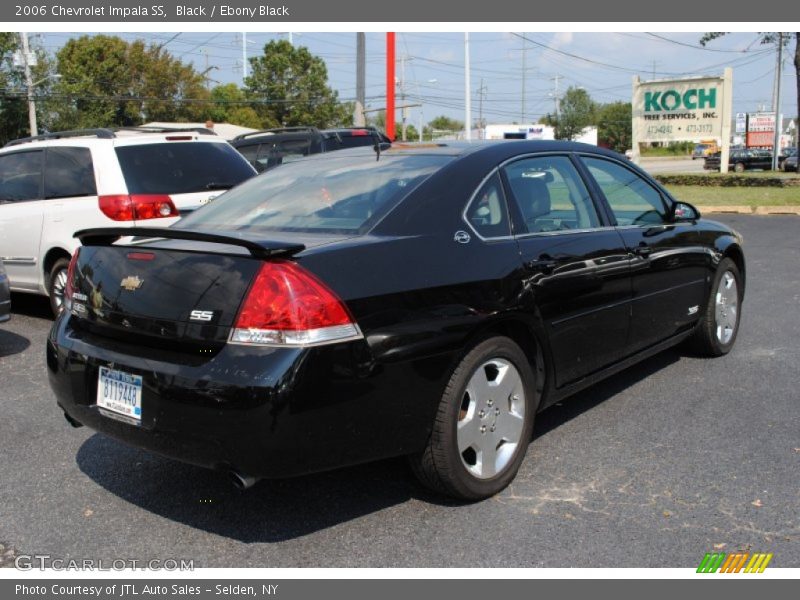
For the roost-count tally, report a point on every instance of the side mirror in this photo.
(683, 212)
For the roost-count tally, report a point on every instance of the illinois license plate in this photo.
(120, 393)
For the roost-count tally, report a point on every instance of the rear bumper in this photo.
(265, 412)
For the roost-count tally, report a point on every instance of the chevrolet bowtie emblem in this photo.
(131, 283)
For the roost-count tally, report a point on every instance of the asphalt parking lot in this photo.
(673, 458)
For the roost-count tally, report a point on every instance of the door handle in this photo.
(643, 251)
(543, 264)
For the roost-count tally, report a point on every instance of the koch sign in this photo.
(679, 110)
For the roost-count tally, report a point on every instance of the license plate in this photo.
(120, 393)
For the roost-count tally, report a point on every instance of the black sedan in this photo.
(424, 301)
(740, 160)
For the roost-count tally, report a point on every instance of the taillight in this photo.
(287, 305)
(137, 207)
(69, 288)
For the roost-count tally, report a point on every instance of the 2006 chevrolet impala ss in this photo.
(426, 301)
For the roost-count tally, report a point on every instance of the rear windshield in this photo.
(181, 167)
(331, 195)
(348, 140)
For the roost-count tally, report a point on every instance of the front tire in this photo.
(483, 425)
(738, 167)
(716, 332)
(56, 285)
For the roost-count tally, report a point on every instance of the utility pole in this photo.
(776, 104)
(467, 91)
(26, 62)
(555, 94)
(404, 108)
(524, 70)
(244, 57)
(481, 93)
(361, 79)
(655, 62)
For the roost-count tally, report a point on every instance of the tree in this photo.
(577, 112)
(13, 104)
(443, 123)
(614, 125)
(229, 104)
(289, 87)
(771, 38)
(106, 81)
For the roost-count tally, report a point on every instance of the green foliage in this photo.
(106, 81)
(446, 124)
(670, 149)
(13, 103)
(576, 113)
(228, 104)
(614, 125)
(728, 180)
(13, 109)
(290, 87)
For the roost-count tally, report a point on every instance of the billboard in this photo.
(761, 130)
(683, 110)
(679, 110)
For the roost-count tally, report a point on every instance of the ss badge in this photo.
(201, 315)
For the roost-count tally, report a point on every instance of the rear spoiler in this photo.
(108, 235)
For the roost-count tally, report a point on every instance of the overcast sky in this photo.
(602, 63)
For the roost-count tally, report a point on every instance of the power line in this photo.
(694, 47)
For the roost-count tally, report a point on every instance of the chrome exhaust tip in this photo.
(242, 481)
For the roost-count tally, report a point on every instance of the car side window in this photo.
(69, 172)
(250, 152)
(632, 199)
(550, 195)
(487, 212)
(21, 176)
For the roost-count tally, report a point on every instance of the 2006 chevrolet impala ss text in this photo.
(424, 301)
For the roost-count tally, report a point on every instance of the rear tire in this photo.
(739, 167)
(483, 425)
(56, 284)
(717, 329)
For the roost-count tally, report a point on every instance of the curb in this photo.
(749, 210)
(720, 208)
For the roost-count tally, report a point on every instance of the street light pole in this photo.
(29, 84)
(467, 91)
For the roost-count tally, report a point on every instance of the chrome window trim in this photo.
(565, 231)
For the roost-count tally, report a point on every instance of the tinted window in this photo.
(350, 141)
(487, 212)
(21, 176)
(69, 172)
(335, 195)
(550, 195)
(181, 167)
(289, 150)
(632, 200)
(250, 153)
